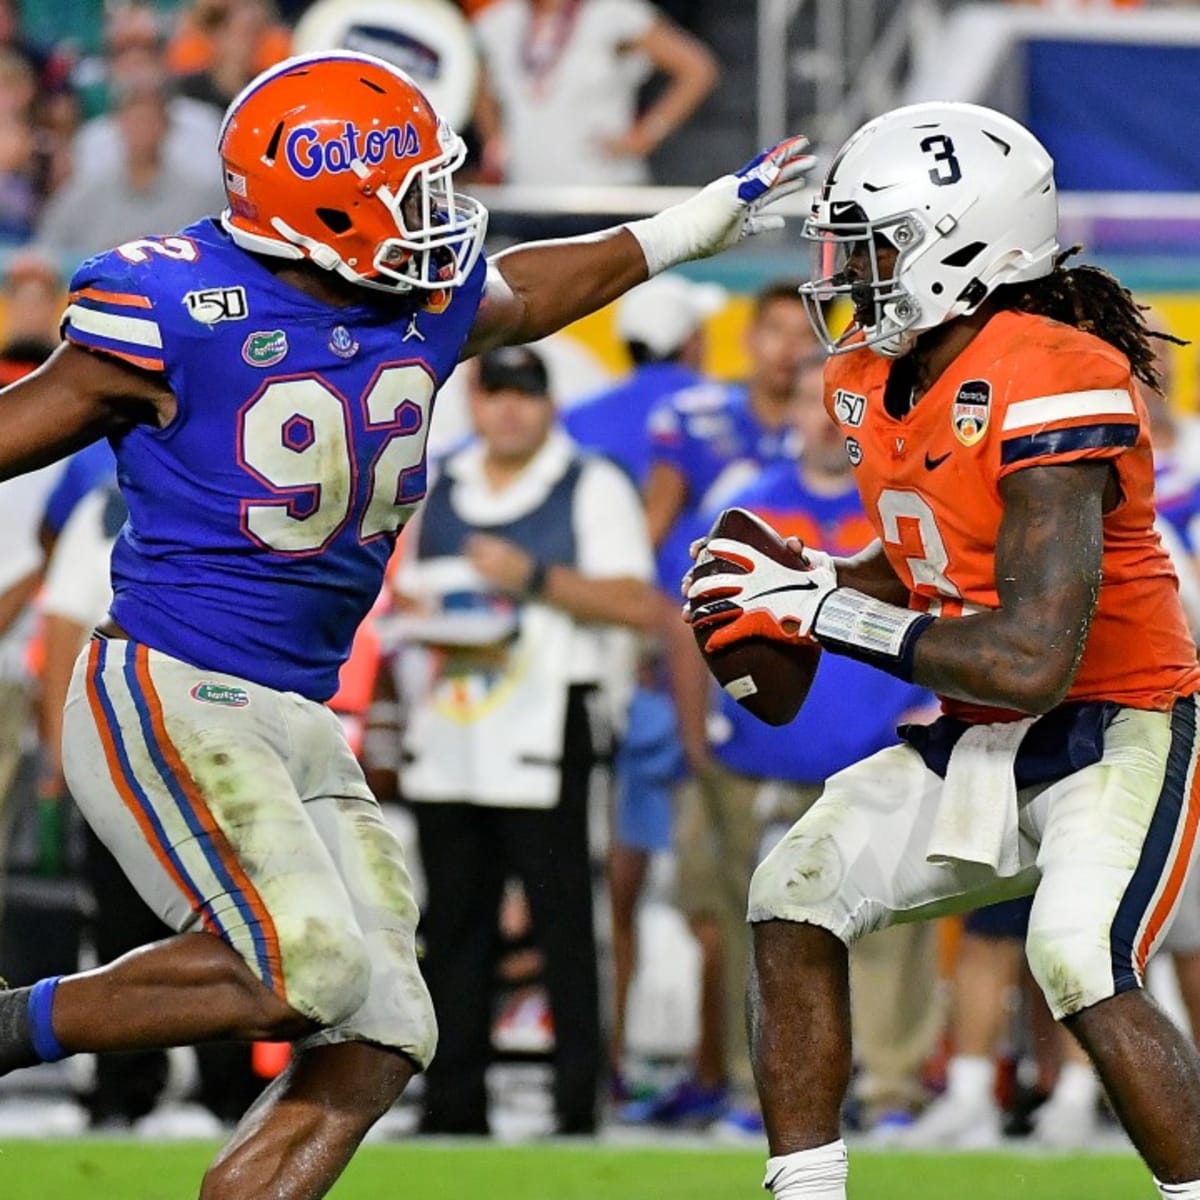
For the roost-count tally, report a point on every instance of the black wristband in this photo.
(535, 585)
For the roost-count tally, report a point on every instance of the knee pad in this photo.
(326, 968)
(1071, 962)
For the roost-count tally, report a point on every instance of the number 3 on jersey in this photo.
(909, 523)
(296, 437)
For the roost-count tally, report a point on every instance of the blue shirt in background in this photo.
(613, 422)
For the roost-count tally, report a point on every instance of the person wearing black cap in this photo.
(529, 571)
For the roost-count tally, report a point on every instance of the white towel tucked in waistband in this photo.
(977, 817)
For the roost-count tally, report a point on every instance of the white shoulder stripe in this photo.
(135, 330)
(1102, 402)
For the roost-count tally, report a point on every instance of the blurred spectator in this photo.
(528, 560)
(19, 196)
(21, 561)
(698, 435)
(135, 52)
(104, 205)
(758, 777)
(18, 84)
(559, 101)
(967, 1115)
(662, 326)
(200, 37)
(235, 31)
(32, 293)
(705, 441)
(1177, 492)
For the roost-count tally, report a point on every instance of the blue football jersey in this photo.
(706, 429)
(710, 435)
(261, 519)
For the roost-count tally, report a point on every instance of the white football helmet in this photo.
(965, 196)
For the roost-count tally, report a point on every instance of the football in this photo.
(767, 678)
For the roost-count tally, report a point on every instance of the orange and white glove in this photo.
(768, 600)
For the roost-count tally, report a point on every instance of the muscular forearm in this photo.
(71, 400)
(689, 681)
(998, 659)
(558, 282)
(618, 601)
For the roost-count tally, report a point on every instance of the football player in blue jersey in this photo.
(266, 380)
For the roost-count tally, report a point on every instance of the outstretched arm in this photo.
(74, 398)
(535, 289)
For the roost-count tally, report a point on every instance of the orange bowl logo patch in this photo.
(972, 407)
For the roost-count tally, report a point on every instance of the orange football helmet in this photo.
(339, 158)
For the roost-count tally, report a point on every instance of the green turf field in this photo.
(137, 1171)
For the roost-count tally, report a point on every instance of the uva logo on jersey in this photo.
(309, 154)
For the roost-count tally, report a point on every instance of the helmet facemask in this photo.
(965, 198)
(440, 232)
(846, 265)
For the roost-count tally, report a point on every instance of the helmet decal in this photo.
(308, 153)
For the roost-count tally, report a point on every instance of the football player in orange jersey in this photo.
(985, 396)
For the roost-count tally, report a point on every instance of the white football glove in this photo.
(769, 600)
(698, 551)
(727, 210)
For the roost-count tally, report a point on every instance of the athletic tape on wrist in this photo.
(659, 241)
(691, 229)
(861, 627)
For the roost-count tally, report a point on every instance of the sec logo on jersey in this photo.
(972, 407)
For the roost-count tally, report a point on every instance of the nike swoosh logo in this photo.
(932, 464)
(785, 587)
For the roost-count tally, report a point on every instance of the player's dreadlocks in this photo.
(1091, 299)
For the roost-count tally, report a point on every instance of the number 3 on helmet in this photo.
(338, 157)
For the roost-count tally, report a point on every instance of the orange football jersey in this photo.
(1026, 392)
